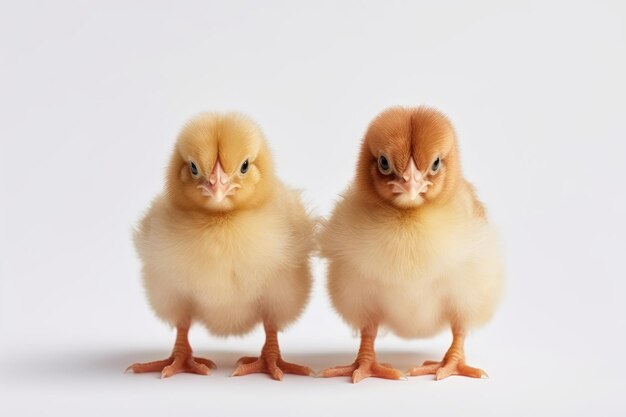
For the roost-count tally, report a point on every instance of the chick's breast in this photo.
(231, 273)
(413, 275)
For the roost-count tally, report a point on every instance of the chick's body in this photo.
(231, 271)
(409, 246)
(415, 273)
(226, 245)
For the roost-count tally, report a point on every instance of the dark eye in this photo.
(193, 168)
(436, 165)
(244, 167)
(383, 164)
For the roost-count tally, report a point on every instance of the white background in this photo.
(92, 97)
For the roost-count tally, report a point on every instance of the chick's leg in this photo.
(270, 361)
(181, 359)
(365, 364)
(453, 362)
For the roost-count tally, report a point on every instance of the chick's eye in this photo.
(244, 167)
(383, 164)
(193, 168)
(436, 165)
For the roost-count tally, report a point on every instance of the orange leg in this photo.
(181, 359)
(452, 364)
(270, 361)
(365, 364)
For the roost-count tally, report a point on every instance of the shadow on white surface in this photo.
(86, 364)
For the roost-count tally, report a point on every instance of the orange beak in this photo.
(218, 185)
(413, 182)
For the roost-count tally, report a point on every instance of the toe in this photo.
(343, 370)
(276, 373)
(198, 368)
(444, 372)
(381, 371)
(207, 362)
(247, 360)
(294, 369)
(472, 372)
(360, 374)
(426, 369)
(249, 368)
(155, 366)
(177, 366)
(168, 371)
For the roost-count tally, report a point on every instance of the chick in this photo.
(226, 245)
(409, 246)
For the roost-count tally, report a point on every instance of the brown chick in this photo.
(227, 245)
(409, 246)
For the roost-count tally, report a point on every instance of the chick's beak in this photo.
(413, 182)
(218, 185)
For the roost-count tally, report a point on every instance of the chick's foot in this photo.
(365, 364)
(175, 365)
(452, 364)
(362, 369)
(444, 369)
(181, 359)
(270, 361)
(276, 367)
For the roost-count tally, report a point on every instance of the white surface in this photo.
(92, 97)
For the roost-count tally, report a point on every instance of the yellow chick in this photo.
(409, 246)
(226, 245)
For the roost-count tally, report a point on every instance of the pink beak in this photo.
(414, 182)
(218, 185)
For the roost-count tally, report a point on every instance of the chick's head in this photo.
(220, 163)
(408, 158)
